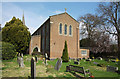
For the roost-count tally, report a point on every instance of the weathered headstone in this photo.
(22, 55)
(36, 59)
(77, 59)
(76, 62)
(107, 60)
(20, 61)
(58, 64)
(112, 69)
(88, 59)
(33, 68)
(99, 58)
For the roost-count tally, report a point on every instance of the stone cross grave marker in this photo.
(20, 61)
(33, 68)
(112, 69)
(58, 64)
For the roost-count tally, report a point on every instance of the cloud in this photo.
(58, 12)
(32, 20)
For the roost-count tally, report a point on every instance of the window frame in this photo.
(65, 29)
(61, 29)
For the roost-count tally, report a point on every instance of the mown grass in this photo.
(11, 68)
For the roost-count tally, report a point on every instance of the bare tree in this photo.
(89, 25)
(109, 12)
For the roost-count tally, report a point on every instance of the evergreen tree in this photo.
(17, 34)
(65, 57)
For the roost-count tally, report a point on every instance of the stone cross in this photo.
(33, 68)
(58, 64)
(20, 61)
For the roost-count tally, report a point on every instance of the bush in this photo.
(65, 57)
(8, 51)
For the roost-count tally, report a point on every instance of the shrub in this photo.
(8, 51)
(65, 57)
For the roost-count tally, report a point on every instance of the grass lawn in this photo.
(10, 68)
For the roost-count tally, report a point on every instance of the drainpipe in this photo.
(77, 40)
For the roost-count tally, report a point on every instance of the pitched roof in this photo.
(56, 15)
(67, 14)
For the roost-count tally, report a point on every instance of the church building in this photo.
(50, 37)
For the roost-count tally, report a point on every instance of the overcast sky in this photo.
(36, 13)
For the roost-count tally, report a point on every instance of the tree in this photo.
(89, 25)
(17, 34)
(65, 57)
(109, 12)
(8, 51)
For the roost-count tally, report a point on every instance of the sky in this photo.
(35, 13)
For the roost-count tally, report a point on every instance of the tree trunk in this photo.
(119, 45)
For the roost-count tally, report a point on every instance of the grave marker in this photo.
(112, 69)
(58, 64)
(33, 68)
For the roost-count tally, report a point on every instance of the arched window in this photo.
(60, 28)
(65, 31)
(70, 30)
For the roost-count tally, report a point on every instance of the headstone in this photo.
(33, 68)
(83, 58)
(20, 61)
(107, 60)
(22, 55)
(88, 59)
(113, 60)
(77, 59)
(99, 58)
(100, 65)
(112, 69)
(80, 58)
(58, 64)
(76, 62)
(36, 59)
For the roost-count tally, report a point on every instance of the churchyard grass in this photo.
(11, 68)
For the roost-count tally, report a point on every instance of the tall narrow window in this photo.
(60, 28)
(70, 30)
(65, 30)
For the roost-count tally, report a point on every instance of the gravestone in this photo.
(107, 60)
(36, 59)
(113, 60)
(112, 69)
(80, 58)
(33, 68)
(99, 58)
(77, 59)
(58, 64)
(88, 59)
(20, 61)
(22, 55)
(76, 62)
